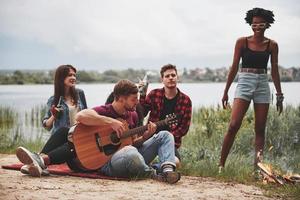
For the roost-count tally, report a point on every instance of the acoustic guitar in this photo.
(95, 145)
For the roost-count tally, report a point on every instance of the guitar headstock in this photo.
(171, 120)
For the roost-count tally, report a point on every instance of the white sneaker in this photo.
(33, 160)
(25, 170)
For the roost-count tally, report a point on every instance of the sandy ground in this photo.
(14, 185)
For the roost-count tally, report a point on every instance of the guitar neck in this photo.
(141, 129)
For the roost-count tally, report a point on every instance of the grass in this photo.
(21, 130)
(8, 117)
(201, 147)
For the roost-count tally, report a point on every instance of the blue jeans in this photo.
(134, 162)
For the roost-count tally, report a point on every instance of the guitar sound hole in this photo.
(114, 138)
(110, 149)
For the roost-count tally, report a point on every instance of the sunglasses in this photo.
(260, 25)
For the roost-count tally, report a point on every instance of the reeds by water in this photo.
(21, 129)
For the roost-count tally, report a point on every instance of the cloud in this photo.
(138, 32)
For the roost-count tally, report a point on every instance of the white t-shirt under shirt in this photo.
(73, 110)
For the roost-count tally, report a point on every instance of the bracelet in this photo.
(279, 94)
(279, 98)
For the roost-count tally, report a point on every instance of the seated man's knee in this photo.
(166, 135)
(133, 157)
(129, 148)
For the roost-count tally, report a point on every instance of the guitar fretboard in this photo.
(142, 129)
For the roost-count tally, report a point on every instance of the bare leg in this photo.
(261, 114)
(240, 107)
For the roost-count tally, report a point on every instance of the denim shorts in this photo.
(254, 87)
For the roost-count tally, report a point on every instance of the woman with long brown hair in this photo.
(62, 107)
(66, 101)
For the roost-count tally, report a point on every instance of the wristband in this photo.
(279, 97)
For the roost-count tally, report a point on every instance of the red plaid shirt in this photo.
(154, 102)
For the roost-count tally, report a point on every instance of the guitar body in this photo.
(95, 145)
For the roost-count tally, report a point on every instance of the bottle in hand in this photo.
(57, 110)
(143, 85)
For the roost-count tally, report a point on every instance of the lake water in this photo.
(202, 94)
(25, 98)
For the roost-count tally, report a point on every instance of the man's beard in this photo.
(130, 108)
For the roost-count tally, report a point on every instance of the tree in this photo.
(18, 77)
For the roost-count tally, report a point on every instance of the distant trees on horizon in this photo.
(112, 76)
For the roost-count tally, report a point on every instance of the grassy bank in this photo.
(201, 146)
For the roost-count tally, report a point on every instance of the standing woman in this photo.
(61, 113)
(255, 51)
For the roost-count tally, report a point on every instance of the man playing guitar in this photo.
(128, 161)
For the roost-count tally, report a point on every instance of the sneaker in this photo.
(25, 170)
(170, 177)
(35, 161)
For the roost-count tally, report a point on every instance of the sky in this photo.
(139, 34)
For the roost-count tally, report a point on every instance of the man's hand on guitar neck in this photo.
(118, 126)
(150, 131)
(140, 139)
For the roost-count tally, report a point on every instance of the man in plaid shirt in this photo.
(167, 100)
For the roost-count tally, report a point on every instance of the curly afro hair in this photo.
(260, 12)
